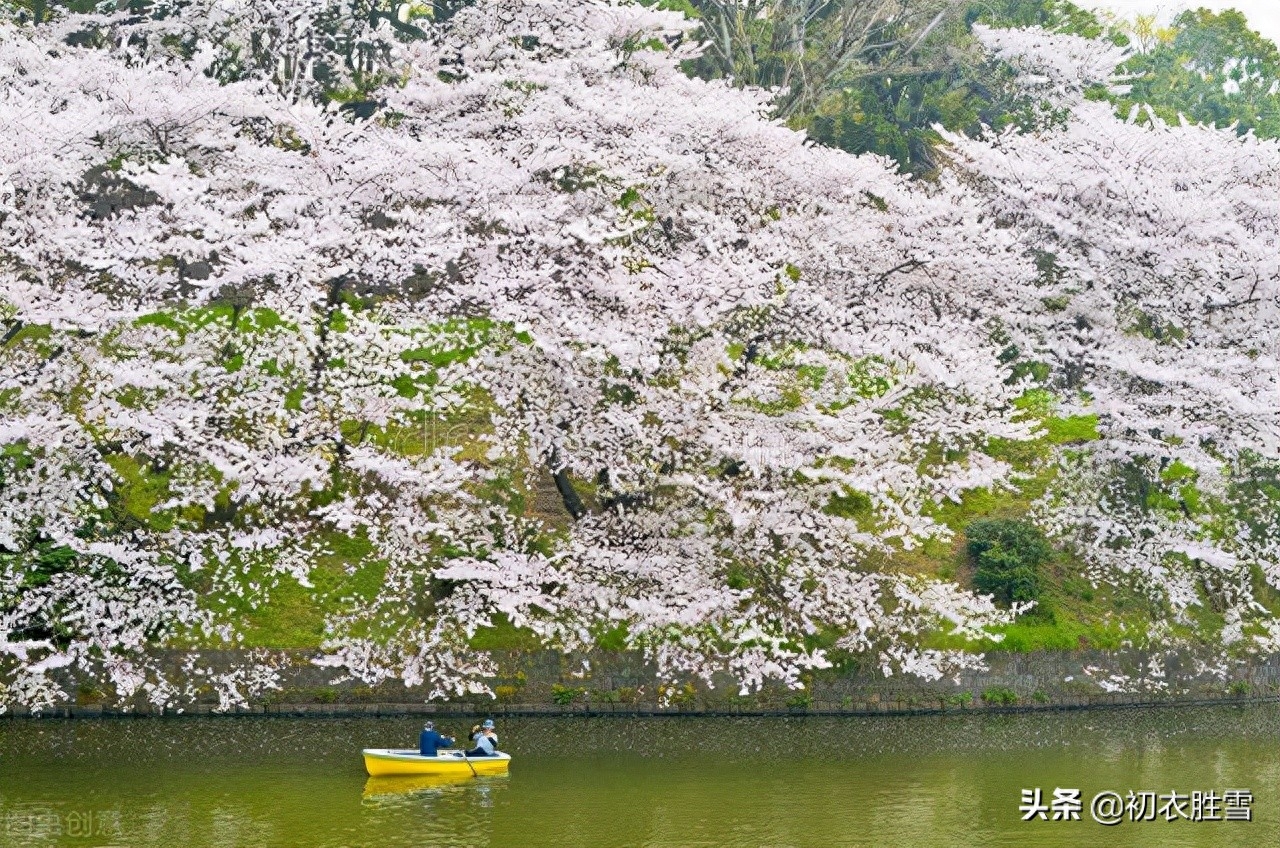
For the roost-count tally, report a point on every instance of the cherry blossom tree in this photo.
(243, 323)
(1161, 287)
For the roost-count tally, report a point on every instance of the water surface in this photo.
(656, 782)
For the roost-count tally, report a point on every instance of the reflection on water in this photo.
(643, 782)
(378, 788)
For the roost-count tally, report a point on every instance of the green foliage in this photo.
(1008, 556)
(238, 317)
(894, 115)
(737, 577)
(1035, 634)
(1076, 428)
(1158, 330)
(951, 83)
(684, 6)
(1071, 614)
(1079, 588)
(1240, 688)
(958, 699)
(502, 635)
(871, 377)
(1036, 402)
(49, 560)
(139, 489)
(1208, 66)
(999, 696)
(849, 504)
(566, 695)
(467, 337)
(612, 639)
(679, 695)
(282, 613)
(800, 701)
(89, 693)
(1211, 67)
(1053, 15)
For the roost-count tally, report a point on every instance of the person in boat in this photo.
(430, 741)
(484, 737)
(490, 731)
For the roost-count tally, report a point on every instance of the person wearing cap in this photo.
(488, 729)
(485, 739)
(430, 741)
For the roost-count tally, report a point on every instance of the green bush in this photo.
(604, 696)
(679, 695)
(1007, 557)
(565, 695)
(1000, 696)
(1239, 688)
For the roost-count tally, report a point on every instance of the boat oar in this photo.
(468, 762)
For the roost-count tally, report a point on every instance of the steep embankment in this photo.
(545, 343)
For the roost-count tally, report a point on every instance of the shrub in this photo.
(686, 695)
(959, 699)
(800, 701)
(1000, 696)
(681, 695)
(1239, 688)
(605, 696)
(564, 695)
(1007, 556)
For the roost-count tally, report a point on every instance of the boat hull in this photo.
(387, 762)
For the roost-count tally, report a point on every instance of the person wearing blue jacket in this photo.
(430, 741)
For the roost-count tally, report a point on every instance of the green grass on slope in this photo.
(287, 614)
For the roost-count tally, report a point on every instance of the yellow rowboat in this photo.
(384, 762)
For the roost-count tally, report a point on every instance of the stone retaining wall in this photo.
(550, 683)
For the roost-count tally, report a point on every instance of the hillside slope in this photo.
(546, 343)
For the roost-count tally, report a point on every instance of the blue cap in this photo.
(487, 723)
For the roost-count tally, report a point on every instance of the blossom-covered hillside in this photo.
(397, 342)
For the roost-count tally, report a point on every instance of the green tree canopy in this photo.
(1213, 69)
(876, 77)
(1007, 557)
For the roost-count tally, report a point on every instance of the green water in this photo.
(655, 782)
